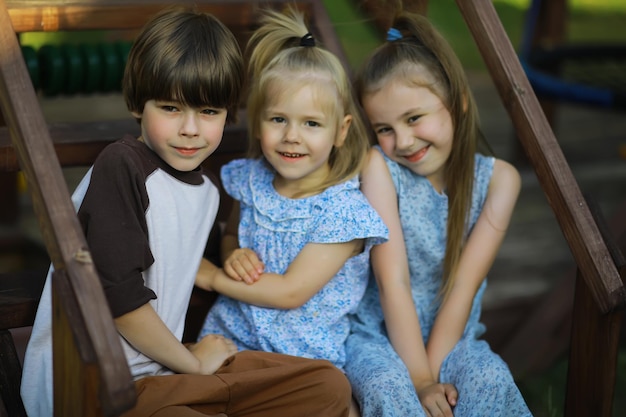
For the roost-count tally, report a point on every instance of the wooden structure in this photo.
(91, 376)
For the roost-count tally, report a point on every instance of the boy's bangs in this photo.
(197, 85)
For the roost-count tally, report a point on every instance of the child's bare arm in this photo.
(390, 266)
(478, 255)
(314, 266)
(147, 333)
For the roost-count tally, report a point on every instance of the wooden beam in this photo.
(61, 231)
(551, 168)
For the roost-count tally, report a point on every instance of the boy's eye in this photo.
(169, 108)
(311, 123)
(414, 119)
(210, 111)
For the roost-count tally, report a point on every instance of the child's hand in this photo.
(212, 350)
(438, 399)
(244, 265)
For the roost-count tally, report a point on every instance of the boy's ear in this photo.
(136, 115)
(343, 130)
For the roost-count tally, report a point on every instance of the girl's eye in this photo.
(277, 119)
(413, 119)
(383, 130)
(311, 123)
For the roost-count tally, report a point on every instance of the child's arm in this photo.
(476, 260)
(147, 333)
(390, 266)
(314, 266)
(239, 264)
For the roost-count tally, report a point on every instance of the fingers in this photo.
(436, 399)
(451, 394)
(244, 265)
(212, 350)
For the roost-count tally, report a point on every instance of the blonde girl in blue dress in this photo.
(296, 249)
(415, 346)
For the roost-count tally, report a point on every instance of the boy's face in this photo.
(182, 136)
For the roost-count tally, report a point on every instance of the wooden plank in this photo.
(551, 168)
(594, 343)
(78, 144)
(35, 16)
(61, 231)
(19, 298)
(592, 358)
(29, 16)
(10, 371)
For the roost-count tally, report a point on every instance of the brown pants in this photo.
(250, 384)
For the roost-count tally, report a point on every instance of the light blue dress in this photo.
(380, 381)
(277, 228)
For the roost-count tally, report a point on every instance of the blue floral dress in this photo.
(277, 228)
(380, 381)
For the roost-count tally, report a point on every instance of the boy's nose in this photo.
(189, 126)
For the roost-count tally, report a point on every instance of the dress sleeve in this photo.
(112, 215)
(347, 217)
(235, 177)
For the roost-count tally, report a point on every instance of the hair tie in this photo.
(307, 40)
(393, 34)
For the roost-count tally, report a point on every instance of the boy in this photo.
(145, 206)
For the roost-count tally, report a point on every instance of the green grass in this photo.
(545, 393)
(589, 21)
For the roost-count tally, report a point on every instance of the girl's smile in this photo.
(413, 127)
(415, 157)
(297, 136)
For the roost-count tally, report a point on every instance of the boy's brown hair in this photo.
(184, 56)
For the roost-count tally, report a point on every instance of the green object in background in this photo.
(75, 72)
(112, 67)
(32, 64)
(52, 69)
(92, 63)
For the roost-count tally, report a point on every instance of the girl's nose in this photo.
(189, 126)
(404, 139)
(291, 134)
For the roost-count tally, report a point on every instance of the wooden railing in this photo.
(600, 292)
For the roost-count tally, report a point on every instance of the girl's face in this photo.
(297, 135)
(413, 127)
(182, 136)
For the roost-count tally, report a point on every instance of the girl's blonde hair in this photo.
(277, 60)
(421, 56)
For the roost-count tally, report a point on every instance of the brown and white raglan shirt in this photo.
(146, 226)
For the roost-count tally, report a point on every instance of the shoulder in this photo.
(505, 182)
(123, 156)
(505, 175)
(238, 169)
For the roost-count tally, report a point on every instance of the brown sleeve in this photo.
(112, 217)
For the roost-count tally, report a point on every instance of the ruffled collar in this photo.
(270, 203)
